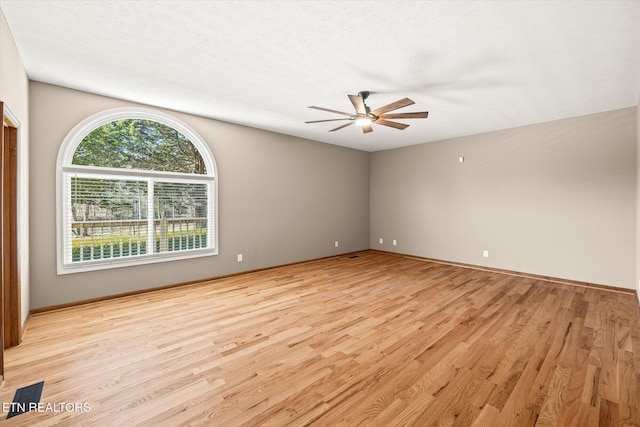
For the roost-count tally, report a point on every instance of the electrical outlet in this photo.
(239, 257)
(461, 159)
(381, 241)
(395, 242)
(485, 254)
(336, 244)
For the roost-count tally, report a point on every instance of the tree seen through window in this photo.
(139, 144)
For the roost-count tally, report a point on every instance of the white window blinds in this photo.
(109, 218)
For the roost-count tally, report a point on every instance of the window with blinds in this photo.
(134, 190)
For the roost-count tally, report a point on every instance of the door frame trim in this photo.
(14, 335)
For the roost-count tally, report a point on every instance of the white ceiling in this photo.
(475, 66)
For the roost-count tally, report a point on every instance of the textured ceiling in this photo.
(475, 66)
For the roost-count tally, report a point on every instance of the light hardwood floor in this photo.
(379, 340)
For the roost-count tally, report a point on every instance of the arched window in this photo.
(134, 186)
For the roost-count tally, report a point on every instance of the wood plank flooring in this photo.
(379, 340)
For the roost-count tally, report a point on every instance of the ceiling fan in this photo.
(364, 117)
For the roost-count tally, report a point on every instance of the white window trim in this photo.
(64, 166)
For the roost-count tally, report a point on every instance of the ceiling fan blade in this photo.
(367, 129)
(418, 115)
(393, 106)
(389, 123)
(358, 103)
(343, 126)
(331, 111)
(328, 120)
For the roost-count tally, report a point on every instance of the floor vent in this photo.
(354, 256)
(25, 399)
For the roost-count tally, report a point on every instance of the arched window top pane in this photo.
(139, 144)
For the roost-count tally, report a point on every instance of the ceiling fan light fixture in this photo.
(363, 121)
(364, 117)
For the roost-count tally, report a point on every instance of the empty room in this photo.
(322, 213)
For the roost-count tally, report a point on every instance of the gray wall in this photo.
(554, 199)
(14, 92)
(281, 199)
